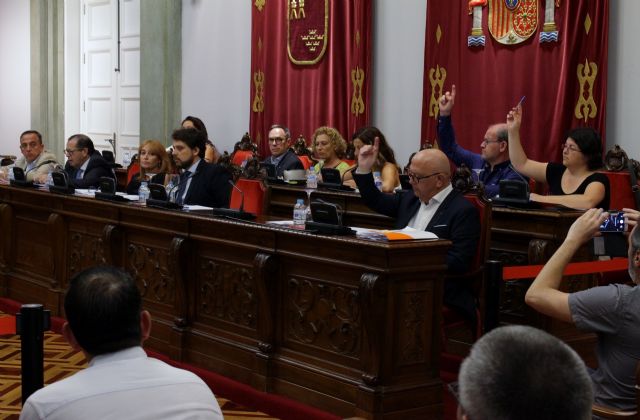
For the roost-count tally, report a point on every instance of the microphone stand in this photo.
(235, 213)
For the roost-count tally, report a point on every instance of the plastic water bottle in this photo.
(308, 213)
(50, 178)
(126, 159)
(143, 192)
(11, 176)
(377, 179)
(312, 178)
(299, 213)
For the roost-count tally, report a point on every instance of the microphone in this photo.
(525, 180)
(161, 199)
(179, 184)
(233, 213)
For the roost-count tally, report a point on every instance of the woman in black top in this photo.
(154, 165)
(574, 183)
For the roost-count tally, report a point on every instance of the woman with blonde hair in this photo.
(329, 147)
(154, 165)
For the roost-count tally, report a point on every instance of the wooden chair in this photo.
(240, 156)
(254, 196)
(456, 330)
(612, 413)
(306, 162)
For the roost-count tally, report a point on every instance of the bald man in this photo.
(492, 164)
(432, 204)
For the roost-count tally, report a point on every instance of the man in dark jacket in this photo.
(85, 166)
(281, 155)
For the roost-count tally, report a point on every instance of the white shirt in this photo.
(425, 213)
(125, 385)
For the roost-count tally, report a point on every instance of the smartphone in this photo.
(614, 223)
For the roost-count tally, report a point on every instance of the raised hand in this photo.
(447, 101)
(368, 155)
(514, 119)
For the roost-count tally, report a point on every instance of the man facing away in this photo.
(611, 311)
(281, 155)
(35, 160)
(432, 204)
(201, 183)
(106, 322)
(492, 164)
(522, 373)
(85, 165)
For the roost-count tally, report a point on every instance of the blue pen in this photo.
(521, 101)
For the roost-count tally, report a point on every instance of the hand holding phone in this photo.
(614, 223)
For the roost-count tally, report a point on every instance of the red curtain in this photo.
(564, 81)
(310, 66)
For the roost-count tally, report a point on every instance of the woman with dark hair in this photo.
(211, 154)
(574, 183)
(154, 165)
(385, 164)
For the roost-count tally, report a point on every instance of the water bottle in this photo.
(126, 159)
(377, 179)
(312, 178)
(11, 175)
(308, 213)
(299, 213)
(50, 178)
(143, 192)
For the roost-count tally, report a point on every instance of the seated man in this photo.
(521, 373)
(85, 165)
(493, 163)
(201, 183)
(106, 322)
(35, 160)
(610, 311)
(432, 204)
(281, 155)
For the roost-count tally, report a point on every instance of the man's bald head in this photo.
(431, 173)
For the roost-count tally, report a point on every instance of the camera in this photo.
(614, 223)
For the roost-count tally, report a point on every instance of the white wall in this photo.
(15, 79)
(623, 107)
(216, 67)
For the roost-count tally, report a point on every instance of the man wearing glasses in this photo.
(492, 164)
(433, 205)
(85, 166)
(35, 160)
(282, 157)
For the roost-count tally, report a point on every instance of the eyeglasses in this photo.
(70, 151)
(571, 147)
(31, 145)
(276, 140)
(487, 141)
(417, 178)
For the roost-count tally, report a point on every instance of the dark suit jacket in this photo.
(456, 219)
(289, 161)
(96, 169)
(209, 186)
(134, 185)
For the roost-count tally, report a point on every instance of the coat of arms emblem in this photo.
(307, 30)
(512, 21)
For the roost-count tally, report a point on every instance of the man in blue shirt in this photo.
(492, 164)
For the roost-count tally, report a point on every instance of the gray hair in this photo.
(520, 372)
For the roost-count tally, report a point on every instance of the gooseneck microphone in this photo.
(233, 213)
(241, 208)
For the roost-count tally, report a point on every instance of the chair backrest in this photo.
(240, 156)
(306, 162)
(611, 413)
(254, 196)
(620, 190)
(133, 169)
(484, 211)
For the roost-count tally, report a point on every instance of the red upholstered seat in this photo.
(620, 187)
(254, 195)
(240, 156)
(306, 162)
(133, 169)
(452, 321)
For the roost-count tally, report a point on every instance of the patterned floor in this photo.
(61, 361)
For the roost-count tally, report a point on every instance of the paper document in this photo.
(393, 235)
(195, 207)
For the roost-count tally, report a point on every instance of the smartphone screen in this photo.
(614, 223)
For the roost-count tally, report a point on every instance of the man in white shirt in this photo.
(35, 160)
(106, 322)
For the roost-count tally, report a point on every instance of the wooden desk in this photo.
(348, 325)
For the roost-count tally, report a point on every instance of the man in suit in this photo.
(610, 311)
(35, 160)
(105, 321)
(85, 165)
(281, 155)
(432, 204)
(201, 183)
(492, 162)
(520, 372)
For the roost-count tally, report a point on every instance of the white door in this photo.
(110, 76)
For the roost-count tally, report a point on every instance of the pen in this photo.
(521, 101)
